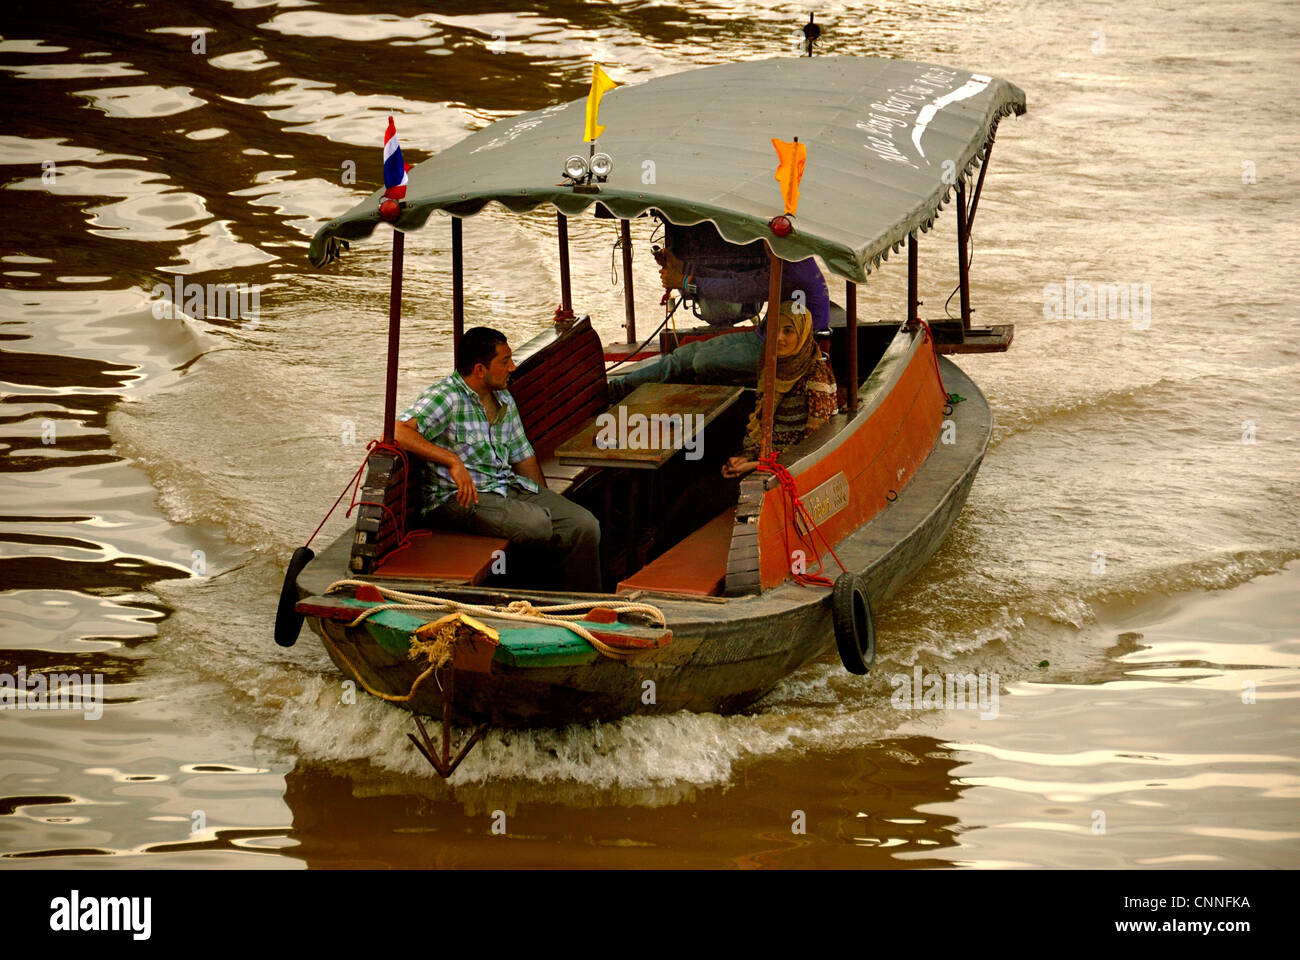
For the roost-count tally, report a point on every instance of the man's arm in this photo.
(750, 286)
(407, 436)
(531, 469)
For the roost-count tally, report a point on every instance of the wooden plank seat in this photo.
(558, 384)
(670, 340)
(390, 489)
(697, 566)
(441, 555)
(559, 477)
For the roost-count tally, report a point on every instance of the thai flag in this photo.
(394, 167)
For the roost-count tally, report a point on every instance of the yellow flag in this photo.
(600, 85)
(790, 171)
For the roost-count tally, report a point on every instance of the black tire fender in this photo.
(288, 621)
(855, 628)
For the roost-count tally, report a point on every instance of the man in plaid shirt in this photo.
(485, 478)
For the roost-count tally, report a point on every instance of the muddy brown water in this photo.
(1123, 575)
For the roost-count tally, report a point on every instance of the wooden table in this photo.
(637, 435)
(642, 417)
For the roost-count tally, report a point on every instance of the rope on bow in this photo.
(556, 615)
(399, 523)
(790, 494)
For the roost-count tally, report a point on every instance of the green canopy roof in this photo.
(886, 140)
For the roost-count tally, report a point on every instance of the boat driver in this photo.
(484, 475)
(728, 283)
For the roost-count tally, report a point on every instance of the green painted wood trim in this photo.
(522, 647)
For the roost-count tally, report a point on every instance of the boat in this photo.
(710, 617)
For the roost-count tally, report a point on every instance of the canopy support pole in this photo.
(963, 263)
(629, 304)
(457, 289)
(565, 312)
(979, 187)
(913, 300)
(851, 324)
(771, 326)
(394, 336)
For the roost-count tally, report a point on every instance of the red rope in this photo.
(407, 542)
(355, 478)
(928, 337)
(790, 493)
(355, 485)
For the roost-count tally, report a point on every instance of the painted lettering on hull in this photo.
(825, 500)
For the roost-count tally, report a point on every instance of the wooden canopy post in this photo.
(913, 299)
(394, 336)
(629, 305)
(954, 336)
(457, 289)
(851, 328)
(565, 312)
(963, 264)
(769, 350)
(979, 186)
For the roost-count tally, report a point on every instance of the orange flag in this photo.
(790, 171)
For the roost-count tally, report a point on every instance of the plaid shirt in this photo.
(451, 415)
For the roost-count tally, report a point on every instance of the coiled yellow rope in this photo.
(520, 610)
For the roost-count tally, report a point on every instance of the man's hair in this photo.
(478, 345)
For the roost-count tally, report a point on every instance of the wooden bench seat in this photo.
(441, 555)
(697, 566)
(558, 384)
(559, 477)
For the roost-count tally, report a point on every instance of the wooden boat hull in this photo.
(724, 654)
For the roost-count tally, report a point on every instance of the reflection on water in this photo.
(865, 804)
(1124, 566)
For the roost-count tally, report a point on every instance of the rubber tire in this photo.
(288, 622)
(855, 628)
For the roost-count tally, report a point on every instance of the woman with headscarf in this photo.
(804, 390)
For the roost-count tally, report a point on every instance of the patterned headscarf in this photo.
(790, 370)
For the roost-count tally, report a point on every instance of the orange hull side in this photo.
(882, 455)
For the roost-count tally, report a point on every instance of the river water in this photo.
(1124, 573)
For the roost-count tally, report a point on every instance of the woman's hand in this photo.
(738, 467)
